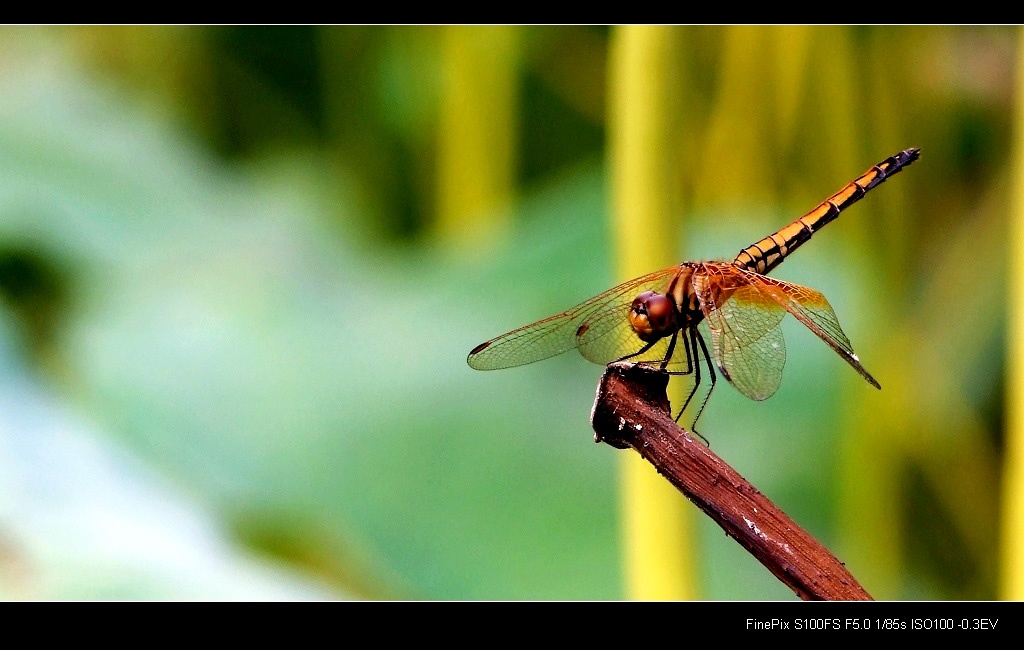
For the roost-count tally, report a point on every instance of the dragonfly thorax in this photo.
(653, 316)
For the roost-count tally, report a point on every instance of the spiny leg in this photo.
(690, 368)
(668, 355)
(693, 365)
(671, 349)
(697, 337)
(638, 352)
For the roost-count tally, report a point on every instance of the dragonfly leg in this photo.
(693, 363)
(637, 353)
(690, 368)
(696, 338)
(671, 349)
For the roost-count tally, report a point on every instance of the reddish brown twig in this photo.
(631, 410)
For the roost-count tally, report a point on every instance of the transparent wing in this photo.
(599, 327)
(744, 310)
(746, 339)
(812, 309)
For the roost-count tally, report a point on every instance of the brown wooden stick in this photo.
(632, 410)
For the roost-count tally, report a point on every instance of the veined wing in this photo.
(746, 339)
(812, 309)
(599, 327)
(744, 310)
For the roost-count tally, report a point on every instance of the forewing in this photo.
(599, 327)
(812, 309)
(746, 338)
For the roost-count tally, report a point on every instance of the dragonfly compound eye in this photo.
(652, 316)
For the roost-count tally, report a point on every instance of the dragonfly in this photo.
(652, 320)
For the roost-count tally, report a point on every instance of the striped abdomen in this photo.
(768, 253)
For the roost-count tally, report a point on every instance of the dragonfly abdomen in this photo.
(768, 253)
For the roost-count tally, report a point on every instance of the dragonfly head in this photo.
(652, 316)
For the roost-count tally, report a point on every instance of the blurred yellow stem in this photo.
(476, 143)
(1012, 574)
(734, 135)
(658, 523)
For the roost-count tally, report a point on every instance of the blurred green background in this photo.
(241, 269)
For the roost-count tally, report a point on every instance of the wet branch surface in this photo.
(632, 411)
